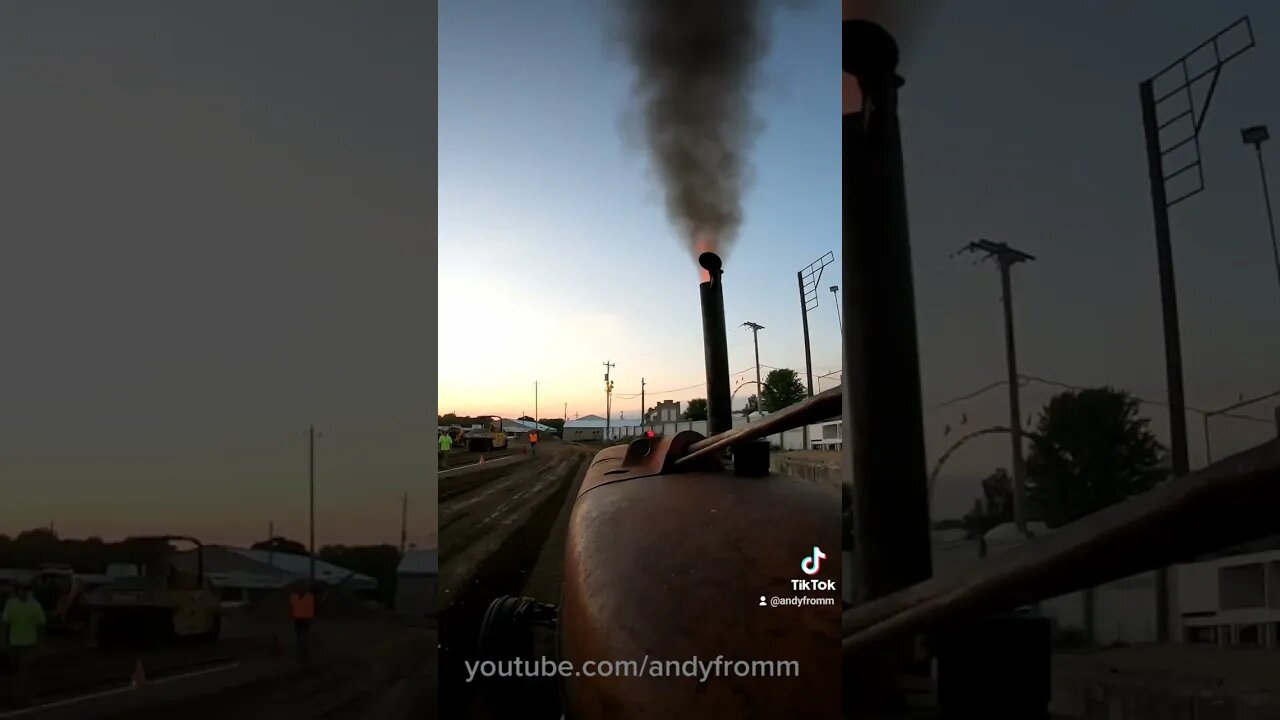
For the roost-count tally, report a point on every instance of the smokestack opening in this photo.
(867, 49)
(716, 346)
(713, 266)
(870, 54)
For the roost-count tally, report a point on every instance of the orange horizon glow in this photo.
(703, 241)
(850, 95)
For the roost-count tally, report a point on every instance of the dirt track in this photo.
(495, 527)
(372, 668)
(364, 665)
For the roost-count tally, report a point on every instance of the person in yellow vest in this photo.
(446, 444)
(23, 624)
(302, 608)
(533, 442)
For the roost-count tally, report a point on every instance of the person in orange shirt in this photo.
(533, 442)
(302, 608)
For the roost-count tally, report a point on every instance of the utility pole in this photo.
(755, 339)
(608, 399)
(311, 481)
(1255, 136)
(535, 405)
(1180, 128)
(643, 410)
(271, 546)
(404, 522)
(1007, 257)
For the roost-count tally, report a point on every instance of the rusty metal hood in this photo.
(664, 567)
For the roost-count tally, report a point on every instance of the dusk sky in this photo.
(215, 235)
(556, 253)
(1021, 124)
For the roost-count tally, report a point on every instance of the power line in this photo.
(682, 389)
(970, 395)
(1023, 379)
(1151, 402)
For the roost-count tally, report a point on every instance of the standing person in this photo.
(302, 608)
(533, 442)
(446, 444)
(23, 625)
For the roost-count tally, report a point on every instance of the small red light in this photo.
(649, 434)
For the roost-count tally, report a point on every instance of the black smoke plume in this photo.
(696, 64)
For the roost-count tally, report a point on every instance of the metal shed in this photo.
(416, 580)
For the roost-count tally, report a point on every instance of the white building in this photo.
(595, 427)
(1228, 599)
(416, 582)
(524, 426)
(1232, 599)
(246, 576)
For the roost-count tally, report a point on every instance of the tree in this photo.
(526, 418)
(782, 387)
(281, 545)
(696, 409)
(751, 406)
(1090, 450)
(33, 548)
(995, 507)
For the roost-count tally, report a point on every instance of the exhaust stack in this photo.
(885, 445)
(716, 346)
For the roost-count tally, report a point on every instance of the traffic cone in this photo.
(139, 675)
(481, 460)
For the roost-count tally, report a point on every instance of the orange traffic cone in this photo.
(139, 675)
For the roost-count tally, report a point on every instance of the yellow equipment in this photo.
(490, 436)
(157, 608)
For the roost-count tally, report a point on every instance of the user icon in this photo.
(762, 602)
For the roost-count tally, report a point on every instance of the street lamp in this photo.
(1255, 136)
(835, 293)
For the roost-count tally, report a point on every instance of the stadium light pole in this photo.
(807, 279)
(1179, 132)
(835, 293)
(1255, 136)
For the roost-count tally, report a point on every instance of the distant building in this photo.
(247, 576)
(828, 436)
(416, 582)
(667, 411)
(524, 426)
(515, 428)
(593, 427)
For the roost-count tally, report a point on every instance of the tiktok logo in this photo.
(810, 564)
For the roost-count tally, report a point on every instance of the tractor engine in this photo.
(668, 563)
